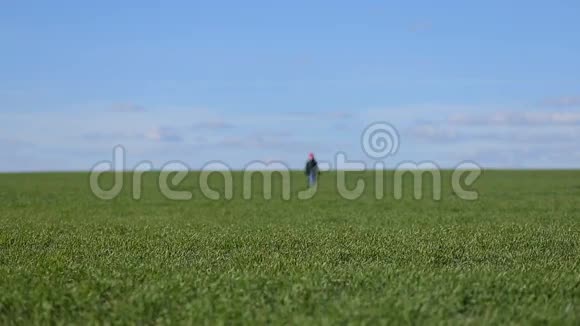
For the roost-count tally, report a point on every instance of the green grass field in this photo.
(510, 257)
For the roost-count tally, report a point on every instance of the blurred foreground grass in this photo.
(510, 256)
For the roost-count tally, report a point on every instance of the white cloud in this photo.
(163, 134)
(516, 118)
(524, 156)
(328, 115)
(262, 142)
(562, 102)
(431, 132)
(452, 134)
(212, 125)
(110, 136)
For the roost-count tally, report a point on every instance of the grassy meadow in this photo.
(512, 256)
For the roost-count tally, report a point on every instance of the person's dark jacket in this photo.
(311, 166)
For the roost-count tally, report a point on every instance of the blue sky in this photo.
(495, 82)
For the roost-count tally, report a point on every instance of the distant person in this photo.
(311, 170)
